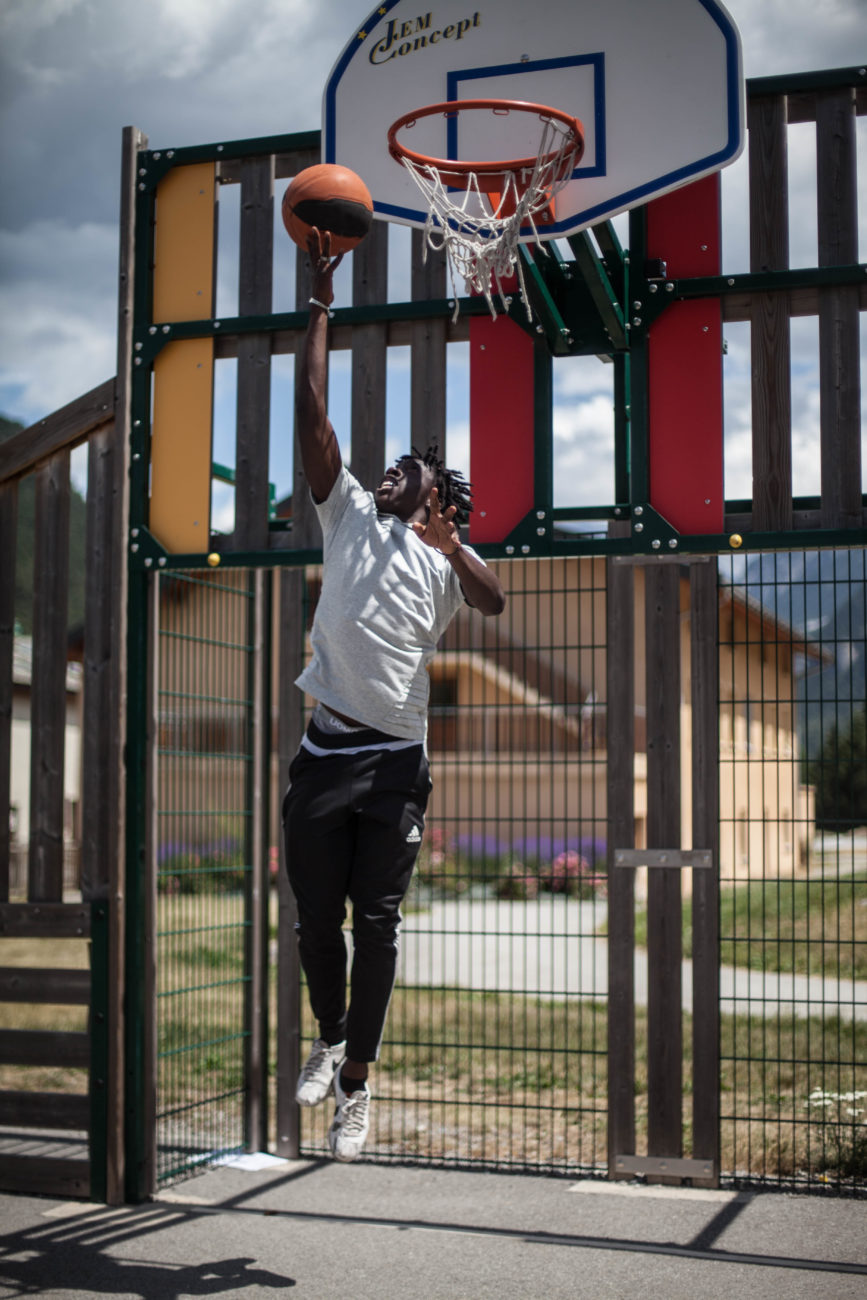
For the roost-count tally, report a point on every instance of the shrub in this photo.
(517, 883)
(217, 867)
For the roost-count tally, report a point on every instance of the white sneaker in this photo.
(317, 1077)
(351, 1122)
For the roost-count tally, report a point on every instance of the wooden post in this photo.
(704, 628)
(8, 549)
(428, 352)
(149, 1048)
(103, 805)
(770, 335)
(839, 368)
(254, 355)
(48, 682)
(290, 709)
(251, 533)
(256, 938)
(620, 692)
(290, 728)
(369, 359)
(664, 948)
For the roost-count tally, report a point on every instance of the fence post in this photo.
(704, 628)
(664, 946)
(620, 640)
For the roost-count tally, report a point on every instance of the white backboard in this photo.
(657, 84)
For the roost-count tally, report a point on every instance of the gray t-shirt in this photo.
(386, 600)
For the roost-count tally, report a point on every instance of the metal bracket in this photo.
(663, 857)
(674, 1166)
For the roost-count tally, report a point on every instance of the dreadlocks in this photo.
(452, 488)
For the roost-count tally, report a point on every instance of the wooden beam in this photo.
(290, 712)
(45, 1110)
(620, 694)
(704, 676)
(839, 361)
(102, 637)
(305, 525)
(369, 359)
(64, 428)
(664, 945)
(769, 313)
(9, 551)
(50, 984)
(258, 885)
(48, 680)
(254, 355)
(44, 921)
(59, 1048)
(428, 351)
(107, 824)
(45, 1176)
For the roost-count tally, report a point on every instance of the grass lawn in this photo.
(494, 1077)
(806, 927)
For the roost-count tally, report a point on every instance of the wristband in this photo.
(448, 554)
(316, 303)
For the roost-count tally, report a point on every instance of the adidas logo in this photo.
(414, 836)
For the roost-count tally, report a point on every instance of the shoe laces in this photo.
(354, 1116)
(315, 1062)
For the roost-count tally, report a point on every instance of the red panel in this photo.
(501, 426)
(684, 354)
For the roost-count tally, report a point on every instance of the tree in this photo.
(840, 776)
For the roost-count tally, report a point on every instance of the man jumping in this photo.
(395, 573)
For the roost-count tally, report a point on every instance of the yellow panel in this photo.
(181, 445)
(180, 509)
(184, 244)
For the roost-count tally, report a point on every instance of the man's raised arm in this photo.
(320, 452)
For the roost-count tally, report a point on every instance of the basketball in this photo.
(332, 198)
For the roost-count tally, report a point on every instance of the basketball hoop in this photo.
(480, 231)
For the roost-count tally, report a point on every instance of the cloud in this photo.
(57, 314)
(77, 71)
(797, 35)
(583, 449)
(73, 73)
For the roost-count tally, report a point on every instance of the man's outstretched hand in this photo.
(324, 265)
(440, 531)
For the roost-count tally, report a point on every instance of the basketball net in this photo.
(480, 230)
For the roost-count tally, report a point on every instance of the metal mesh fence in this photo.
(495, 1047)
(202, 852)
(793, 784)
(495, 1052)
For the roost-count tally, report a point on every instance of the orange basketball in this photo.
(331, 198)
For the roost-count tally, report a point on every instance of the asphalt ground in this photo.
(325, 1230)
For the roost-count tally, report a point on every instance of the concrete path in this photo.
(549, 946)
(374, 1232)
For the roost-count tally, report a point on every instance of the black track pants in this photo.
(353, 825)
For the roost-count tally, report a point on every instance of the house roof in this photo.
(771, 628)
(22, 666)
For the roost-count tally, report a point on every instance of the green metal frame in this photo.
(581, 307)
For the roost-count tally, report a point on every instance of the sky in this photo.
(73, 73)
